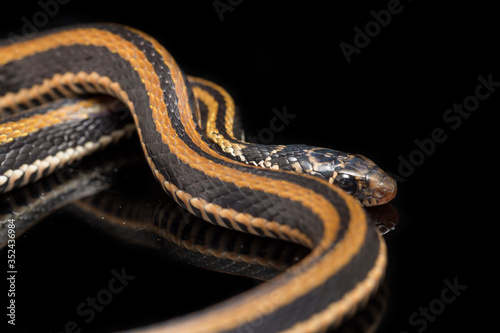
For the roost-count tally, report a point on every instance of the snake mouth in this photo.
(387, 194)
(382, 193)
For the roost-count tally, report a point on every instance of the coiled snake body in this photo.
(185, 128)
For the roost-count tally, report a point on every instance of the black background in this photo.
(394, 91)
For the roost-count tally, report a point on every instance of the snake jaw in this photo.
(381, 188)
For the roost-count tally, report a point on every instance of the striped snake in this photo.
(307, 195)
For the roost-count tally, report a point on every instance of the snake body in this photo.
(208, 172)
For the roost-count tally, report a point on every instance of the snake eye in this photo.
(347, 183)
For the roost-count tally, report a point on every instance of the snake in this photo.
(186, 126)
(95, 193)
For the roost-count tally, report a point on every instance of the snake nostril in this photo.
(379, 193)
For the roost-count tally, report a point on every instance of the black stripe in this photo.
(204, 114)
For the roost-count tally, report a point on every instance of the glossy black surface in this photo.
(389, 103)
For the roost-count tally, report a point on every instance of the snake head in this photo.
(353, 173)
